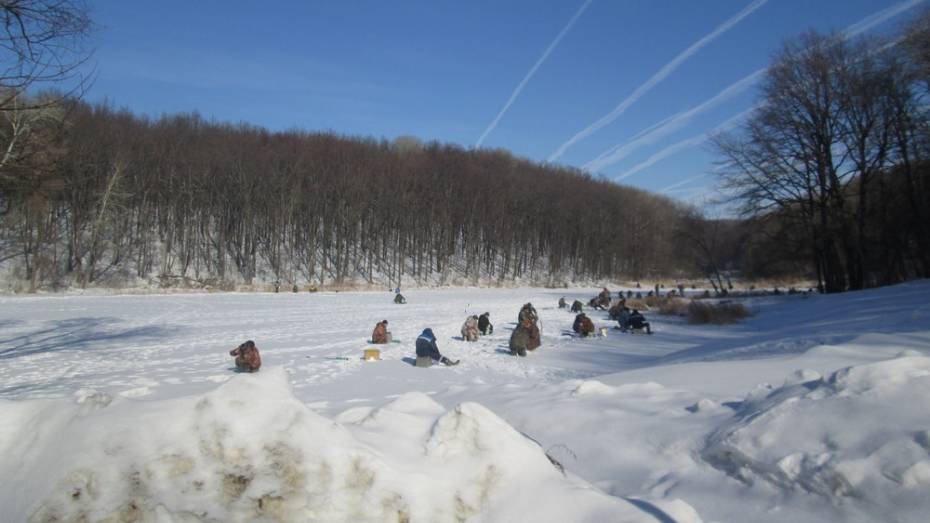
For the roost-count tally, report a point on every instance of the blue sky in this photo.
(444, 70)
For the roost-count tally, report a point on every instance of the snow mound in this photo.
(588, 387)
(250, 451)
(703, 405)
(844, 437)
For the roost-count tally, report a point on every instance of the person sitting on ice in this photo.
(562, 303)
(638, 321)
(399, 299)
(521, 339)
(427, 351)
(484, 324)
(470, 328)
(525, 337)
(615, 309)
(583, 325)
(576, 306)
(623, 318)
(380, 334)
(247, 357)
(528, 312)
(604, 296)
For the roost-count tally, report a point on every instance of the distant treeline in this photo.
(179, 197)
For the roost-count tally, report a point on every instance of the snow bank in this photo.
(861, 434)
(250, 451)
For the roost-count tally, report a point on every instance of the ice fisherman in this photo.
(380, 334)
(623, 318)
(524, 338)
(528, 312)
(399, 299)
(247, 357)
(484, 324)
(638, 321)
(583, 325)
(427, 351)
(470, 328)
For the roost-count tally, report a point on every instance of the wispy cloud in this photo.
(522, 84)
(658, 130)
(662, 74)
(684, 144)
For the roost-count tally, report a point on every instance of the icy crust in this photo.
(863, 433)
(250, 451)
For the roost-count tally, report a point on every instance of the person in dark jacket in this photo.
(638, 321)
(576, 306)
(484, 324)
(562, 303)
(427, 351)
(623, 318)
(247, 357)
(399, 299)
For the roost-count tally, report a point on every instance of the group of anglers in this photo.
(525, 336)
(627, 319)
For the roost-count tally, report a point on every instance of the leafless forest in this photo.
(830, 173)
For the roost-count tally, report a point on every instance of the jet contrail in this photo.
(621, 151)
(673, 123)
(663, 73)
(684, 144)
(686, 181)
(519, 88)
(876, 18)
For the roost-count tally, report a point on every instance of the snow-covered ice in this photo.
(127, 408)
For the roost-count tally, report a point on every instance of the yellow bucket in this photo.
(372, 354)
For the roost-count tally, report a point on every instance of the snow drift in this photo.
(863, 434)
(251, 451)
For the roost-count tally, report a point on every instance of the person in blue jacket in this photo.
(427, 351)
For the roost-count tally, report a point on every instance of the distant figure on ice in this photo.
(599, 302)
(380, 334)
(638, 321)
(576, 306)
(583, 325)
(470, 328)
(484, 324)
(247, 358)
(399, 299)
(604, 298)
(614, 311)
(427, 351)
(562, 303)
(524, 338)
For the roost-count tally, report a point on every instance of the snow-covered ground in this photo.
(127, 408)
